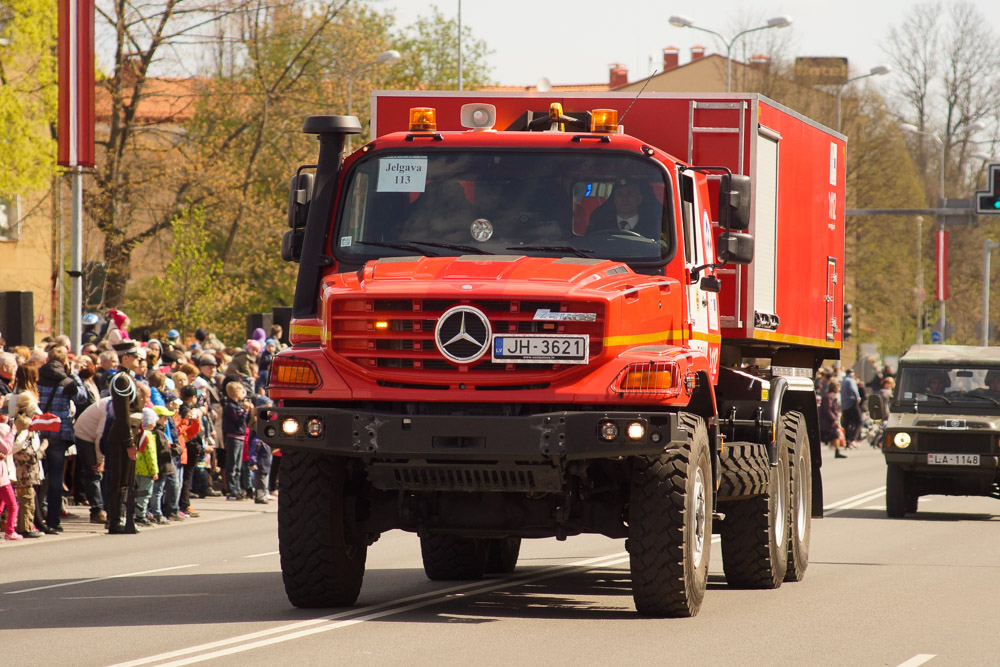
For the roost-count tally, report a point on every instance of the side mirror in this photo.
(710, 284)
(876, 407)
(299, 197)
(734, 248)
(291, 244)
(734, 202)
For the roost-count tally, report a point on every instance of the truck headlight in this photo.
(290, 426)
(902, 440)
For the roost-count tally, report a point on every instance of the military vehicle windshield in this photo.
(945, 385)
(506, 203)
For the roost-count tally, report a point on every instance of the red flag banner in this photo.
(76, 83)
(941, 256)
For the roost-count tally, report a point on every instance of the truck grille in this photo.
(957, 443)
(396, 336)
(420, 477)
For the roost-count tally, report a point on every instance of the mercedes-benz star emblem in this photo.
(463, 334)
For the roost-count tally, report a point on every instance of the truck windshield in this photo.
(609, 206)
(947, 385)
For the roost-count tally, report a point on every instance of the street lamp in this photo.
(988, 245)
(775, 22)
(913, 129)
(385, 58)
(874, 71)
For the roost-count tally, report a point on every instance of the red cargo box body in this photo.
(792, 293)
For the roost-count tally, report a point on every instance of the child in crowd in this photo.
(166, 478)
(28, 450)
(146, 468)
(260, 457)
(235, 414)
(7, 498)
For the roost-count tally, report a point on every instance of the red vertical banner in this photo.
(76, 83)
(941, 255)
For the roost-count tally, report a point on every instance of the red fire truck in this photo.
(536, 315)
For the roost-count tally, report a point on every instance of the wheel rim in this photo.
(780, 503)
(700, 518)
(801, 511)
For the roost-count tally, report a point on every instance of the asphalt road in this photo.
(878, 592)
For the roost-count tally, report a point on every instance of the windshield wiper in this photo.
(454, 246)
(988, 398)
(943, 398)
(554, 248)
(397, 246)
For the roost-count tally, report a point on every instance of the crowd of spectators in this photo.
(198, 438)
(842, 412)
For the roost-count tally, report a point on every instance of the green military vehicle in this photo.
(942, 432)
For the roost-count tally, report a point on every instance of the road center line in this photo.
(918, 659)
(337, 620)
(266, 553)
(113, 576)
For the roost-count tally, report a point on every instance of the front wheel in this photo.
(322, 555)
(670, 526)
(899, 495)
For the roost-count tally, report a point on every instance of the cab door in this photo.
(699, 250)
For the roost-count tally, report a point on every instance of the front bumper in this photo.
(543, 437)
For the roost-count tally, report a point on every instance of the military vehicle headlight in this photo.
(902, 439)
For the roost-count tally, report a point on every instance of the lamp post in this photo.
(913, 129)
(987, 247)
(384, 58)
(874, 71)
(775, 22)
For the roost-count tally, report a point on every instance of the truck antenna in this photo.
(648, 79)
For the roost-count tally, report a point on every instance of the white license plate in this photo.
(953, 459)
(541, 349)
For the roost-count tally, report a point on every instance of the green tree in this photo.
(28, 95)
(430, 56)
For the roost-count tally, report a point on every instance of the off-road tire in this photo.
(452, 557)
(501, 554)
(670, 526)
(899, 495)
(321, 564)
(793, 435)
(755, 532)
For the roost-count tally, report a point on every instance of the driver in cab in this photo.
(631, 208)
(937, 384)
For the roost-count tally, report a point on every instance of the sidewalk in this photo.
(78, 524)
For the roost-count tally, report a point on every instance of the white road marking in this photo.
(853, 501)
(113, 576)
(266, 553)
(338, 620)
(350, 617)
(918, 659)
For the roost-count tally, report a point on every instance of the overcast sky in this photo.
(575, 41)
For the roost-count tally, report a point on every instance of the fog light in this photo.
(290, 426)
(636, 431)
(902, 440)
(314, 427)
(608, 430)
(270, 431)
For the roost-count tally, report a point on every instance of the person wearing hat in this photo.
(118, 329)
(166, 481)
(147, 469)
(90, 335)
(128, 356)
(207, 382)
(632, 207)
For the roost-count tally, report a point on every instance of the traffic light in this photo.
(988, 201)
(848, 321)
